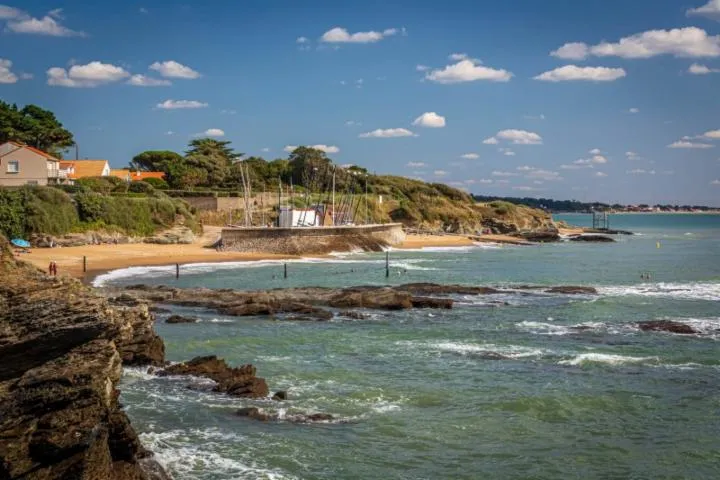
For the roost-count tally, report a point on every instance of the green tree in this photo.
(214, 157)
(155, 161)
(34, 126)
(306, 164)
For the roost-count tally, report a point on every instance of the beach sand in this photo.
(103, 258)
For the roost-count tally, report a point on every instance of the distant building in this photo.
(75, 169)
(129, 176)
(24, 165)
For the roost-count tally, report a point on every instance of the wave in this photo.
(607, 358)
(187, 454)
(484, 350)
(686, 291)
(555, 329)
(457, 249)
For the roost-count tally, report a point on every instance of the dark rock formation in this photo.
(180, 319)
(540, 236)
(259, 414)
(429, 302)
(280, 396)
(436, 289)
(238, 381)
(353, 314)
(572, 290)
(667, 326)
(62, 349)
(608, 231)
(592, 238)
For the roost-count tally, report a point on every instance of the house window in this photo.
(13, 166)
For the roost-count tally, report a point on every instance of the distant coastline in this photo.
(708, 212)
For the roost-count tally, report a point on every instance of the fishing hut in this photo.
(601, 220)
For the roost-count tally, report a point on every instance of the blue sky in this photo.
(597, 100)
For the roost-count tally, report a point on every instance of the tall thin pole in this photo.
(333, 197)
(367, 216)
(279, 199)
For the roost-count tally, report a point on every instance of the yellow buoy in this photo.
(657, 244)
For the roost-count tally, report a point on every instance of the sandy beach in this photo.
(103, 258)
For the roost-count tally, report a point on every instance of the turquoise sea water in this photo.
(418, 393)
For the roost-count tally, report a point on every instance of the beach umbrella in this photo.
(19, 242)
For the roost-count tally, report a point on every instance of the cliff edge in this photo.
(62, 349)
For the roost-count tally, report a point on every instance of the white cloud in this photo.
(712, 134)
(538, 174)
(352, 123)
(517, 137)
(595, 151)
(697, 69)
(594, 160)
(491, 141)
(92, 74)
(173, 69)
(143, 10)
(468, 70)
(571, 51)
(632, 156)
(575, 73)
(430, 120)
(321, 147)
(689, 144)
(485, 181)
(526, 168)
(302, 40)
(689, 42)
(6, 76)
(169, 132)
(22, 22)
(470, 156)
(524, 188)
(388, 133)
(575, 166)
(636, 171)
(440, 173)
(634, 110)
(212, 132)
(179, 104)
(416, 164)
(715, 182)
(498, 173)
(507, 152)
(144, 81)
(341, 35)
(266, 149)
(422, 68)
(710, 10)
(600, 174)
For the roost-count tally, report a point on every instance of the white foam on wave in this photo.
(687, 291)
(470, 349)
(606, 358)
(186, 457)
(543, 328)
(456, 249)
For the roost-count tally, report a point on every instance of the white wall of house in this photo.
(21, 166)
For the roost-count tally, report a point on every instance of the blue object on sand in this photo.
(19, 242)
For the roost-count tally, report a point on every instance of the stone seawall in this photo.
(313, 240)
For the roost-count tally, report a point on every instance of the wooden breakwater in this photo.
(312, 240)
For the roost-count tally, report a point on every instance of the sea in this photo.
(513, 386)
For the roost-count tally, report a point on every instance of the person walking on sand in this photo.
(53, 266)
(50, 268)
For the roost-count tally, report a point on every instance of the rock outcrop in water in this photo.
(592, 238)
(62, 349)
(238, 381)
(667, 326)
(308, 303)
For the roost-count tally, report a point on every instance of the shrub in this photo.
(157, 183)
(141, 187)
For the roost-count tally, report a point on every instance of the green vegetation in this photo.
(46, 210)
(34, 126)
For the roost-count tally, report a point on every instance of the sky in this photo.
(599, 100)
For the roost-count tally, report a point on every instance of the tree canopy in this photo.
(34, 126)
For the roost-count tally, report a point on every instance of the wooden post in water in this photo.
(84, 264)
(285, 270)
(177, 270)
(387, 263)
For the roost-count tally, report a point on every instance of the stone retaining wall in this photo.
(313, 240)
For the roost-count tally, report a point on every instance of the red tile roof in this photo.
(35, 150)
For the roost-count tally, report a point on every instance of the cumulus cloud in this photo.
(430, 120)
(634, 110)
(321, 147)
(571, 51)
(341, 35)
(6, 76)
(212, 132)
(698, 69)
(467, 70)
(715, 182)
(516, 137)
(422, 68)
(689, 145)
(173, 69)
(499, 173)
(574, 73)
(19, 21)
(90, 75)
(180, 104)
(632, 156)
(712, 135)
(388, 133)
(600, 174)
(440, 173)
(416, 164)
(507, 152)
(302, 40)
(145, 81)
(709, 10)
(595, 151)
(470, 156)
(594, 160)
(690, 42)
